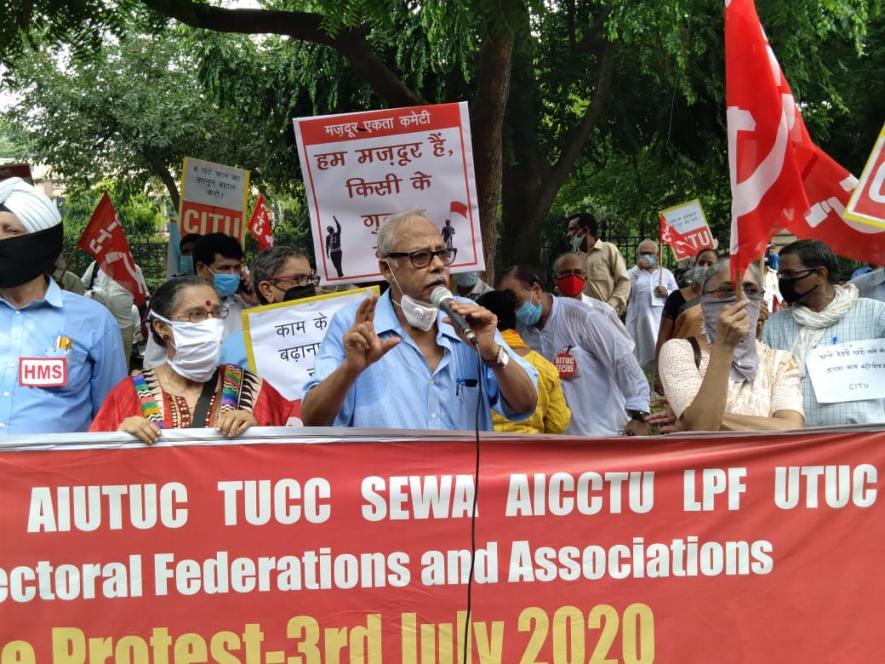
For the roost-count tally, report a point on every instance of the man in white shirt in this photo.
(650, 286)
(604, 386)
(116, 297)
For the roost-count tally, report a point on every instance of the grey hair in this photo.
(704, 275)
(391, 224)
(562, 258)
(648, 241)
(270, 261)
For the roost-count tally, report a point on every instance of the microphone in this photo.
(442, 298)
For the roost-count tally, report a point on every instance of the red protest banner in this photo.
(779, 177)
(259, 225)
(693, 549)
(362, 167)
(104, 238)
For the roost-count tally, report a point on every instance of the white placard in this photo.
(850, 371)
(361, 167)
(213, 198)
(282, 340)
(685, 230)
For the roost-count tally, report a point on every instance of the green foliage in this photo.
(129, 94)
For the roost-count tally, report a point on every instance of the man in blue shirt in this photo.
(395, 362)
(61, 353)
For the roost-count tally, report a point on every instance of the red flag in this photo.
(104, 238)
(259, 225)
(779, 177)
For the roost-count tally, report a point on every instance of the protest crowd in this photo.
(603, 350)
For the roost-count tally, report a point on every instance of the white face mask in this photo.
(418, 314)
(197, 347)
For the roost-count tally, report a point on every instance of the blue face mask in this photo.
(226, 284)
(528, 314)
(466, 279)
(185, 264)
(649, 259)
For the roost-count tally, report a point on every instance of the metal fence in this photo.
(149, 253)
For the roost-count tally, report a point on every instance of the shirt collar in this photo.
(53, 297)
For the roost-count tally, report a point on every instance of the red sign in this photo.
(779, 177)
(213, 199)
(684, 229)
(259, 225)
(867, 204)
(104, 238)
(719, 548)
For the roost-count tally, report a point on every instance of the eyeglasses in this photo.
(795, 276)
(424, 257)
(297, 279)
(725, 292)
(198, 315)
(577, 272)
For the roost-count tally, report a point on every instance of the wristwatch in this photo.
(500, 361)
(637, 414)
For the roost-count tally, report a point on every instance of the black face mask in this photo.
(298, 292)
(787, 288)
(26, 257)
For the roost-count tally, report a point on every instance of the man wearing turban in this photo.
(60, 353)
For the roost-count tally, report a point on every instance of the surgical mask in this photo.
(197, 347)
(418, 314)
(298, 292)
(185, 265)
(528, 314)
(571, 285)
(25, 257)
(649, 259)
(225, 284)
(576, 241)
(466, 279)
(787, 287)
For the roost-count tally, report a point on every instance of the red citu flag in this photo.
(259, 225)
(779, 177)
(104, 238)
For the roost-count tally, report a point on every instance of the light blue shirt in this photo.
(233, 350)
(865, 320)
(399, 391)
(95, 362)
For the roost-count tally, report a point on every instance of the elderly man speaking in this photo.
(397, 362)
(61, 353)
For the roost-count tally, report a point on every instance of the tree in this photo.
(132, 112)
(551, 85)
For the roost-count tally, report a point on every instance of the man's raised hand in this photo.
(362, 345)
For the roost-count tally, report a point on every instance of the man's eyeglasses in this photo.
(424, 257)
(726, 292)
(199, 315)
(795, 276)
(297, 279)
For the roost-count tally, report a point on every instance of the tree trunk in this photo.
(486, 124)
(158, 168)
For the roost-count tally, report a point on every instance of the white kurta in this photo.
(608, 379)
(644, 310)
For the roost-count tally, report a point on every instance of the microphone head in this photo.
(439, 295)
